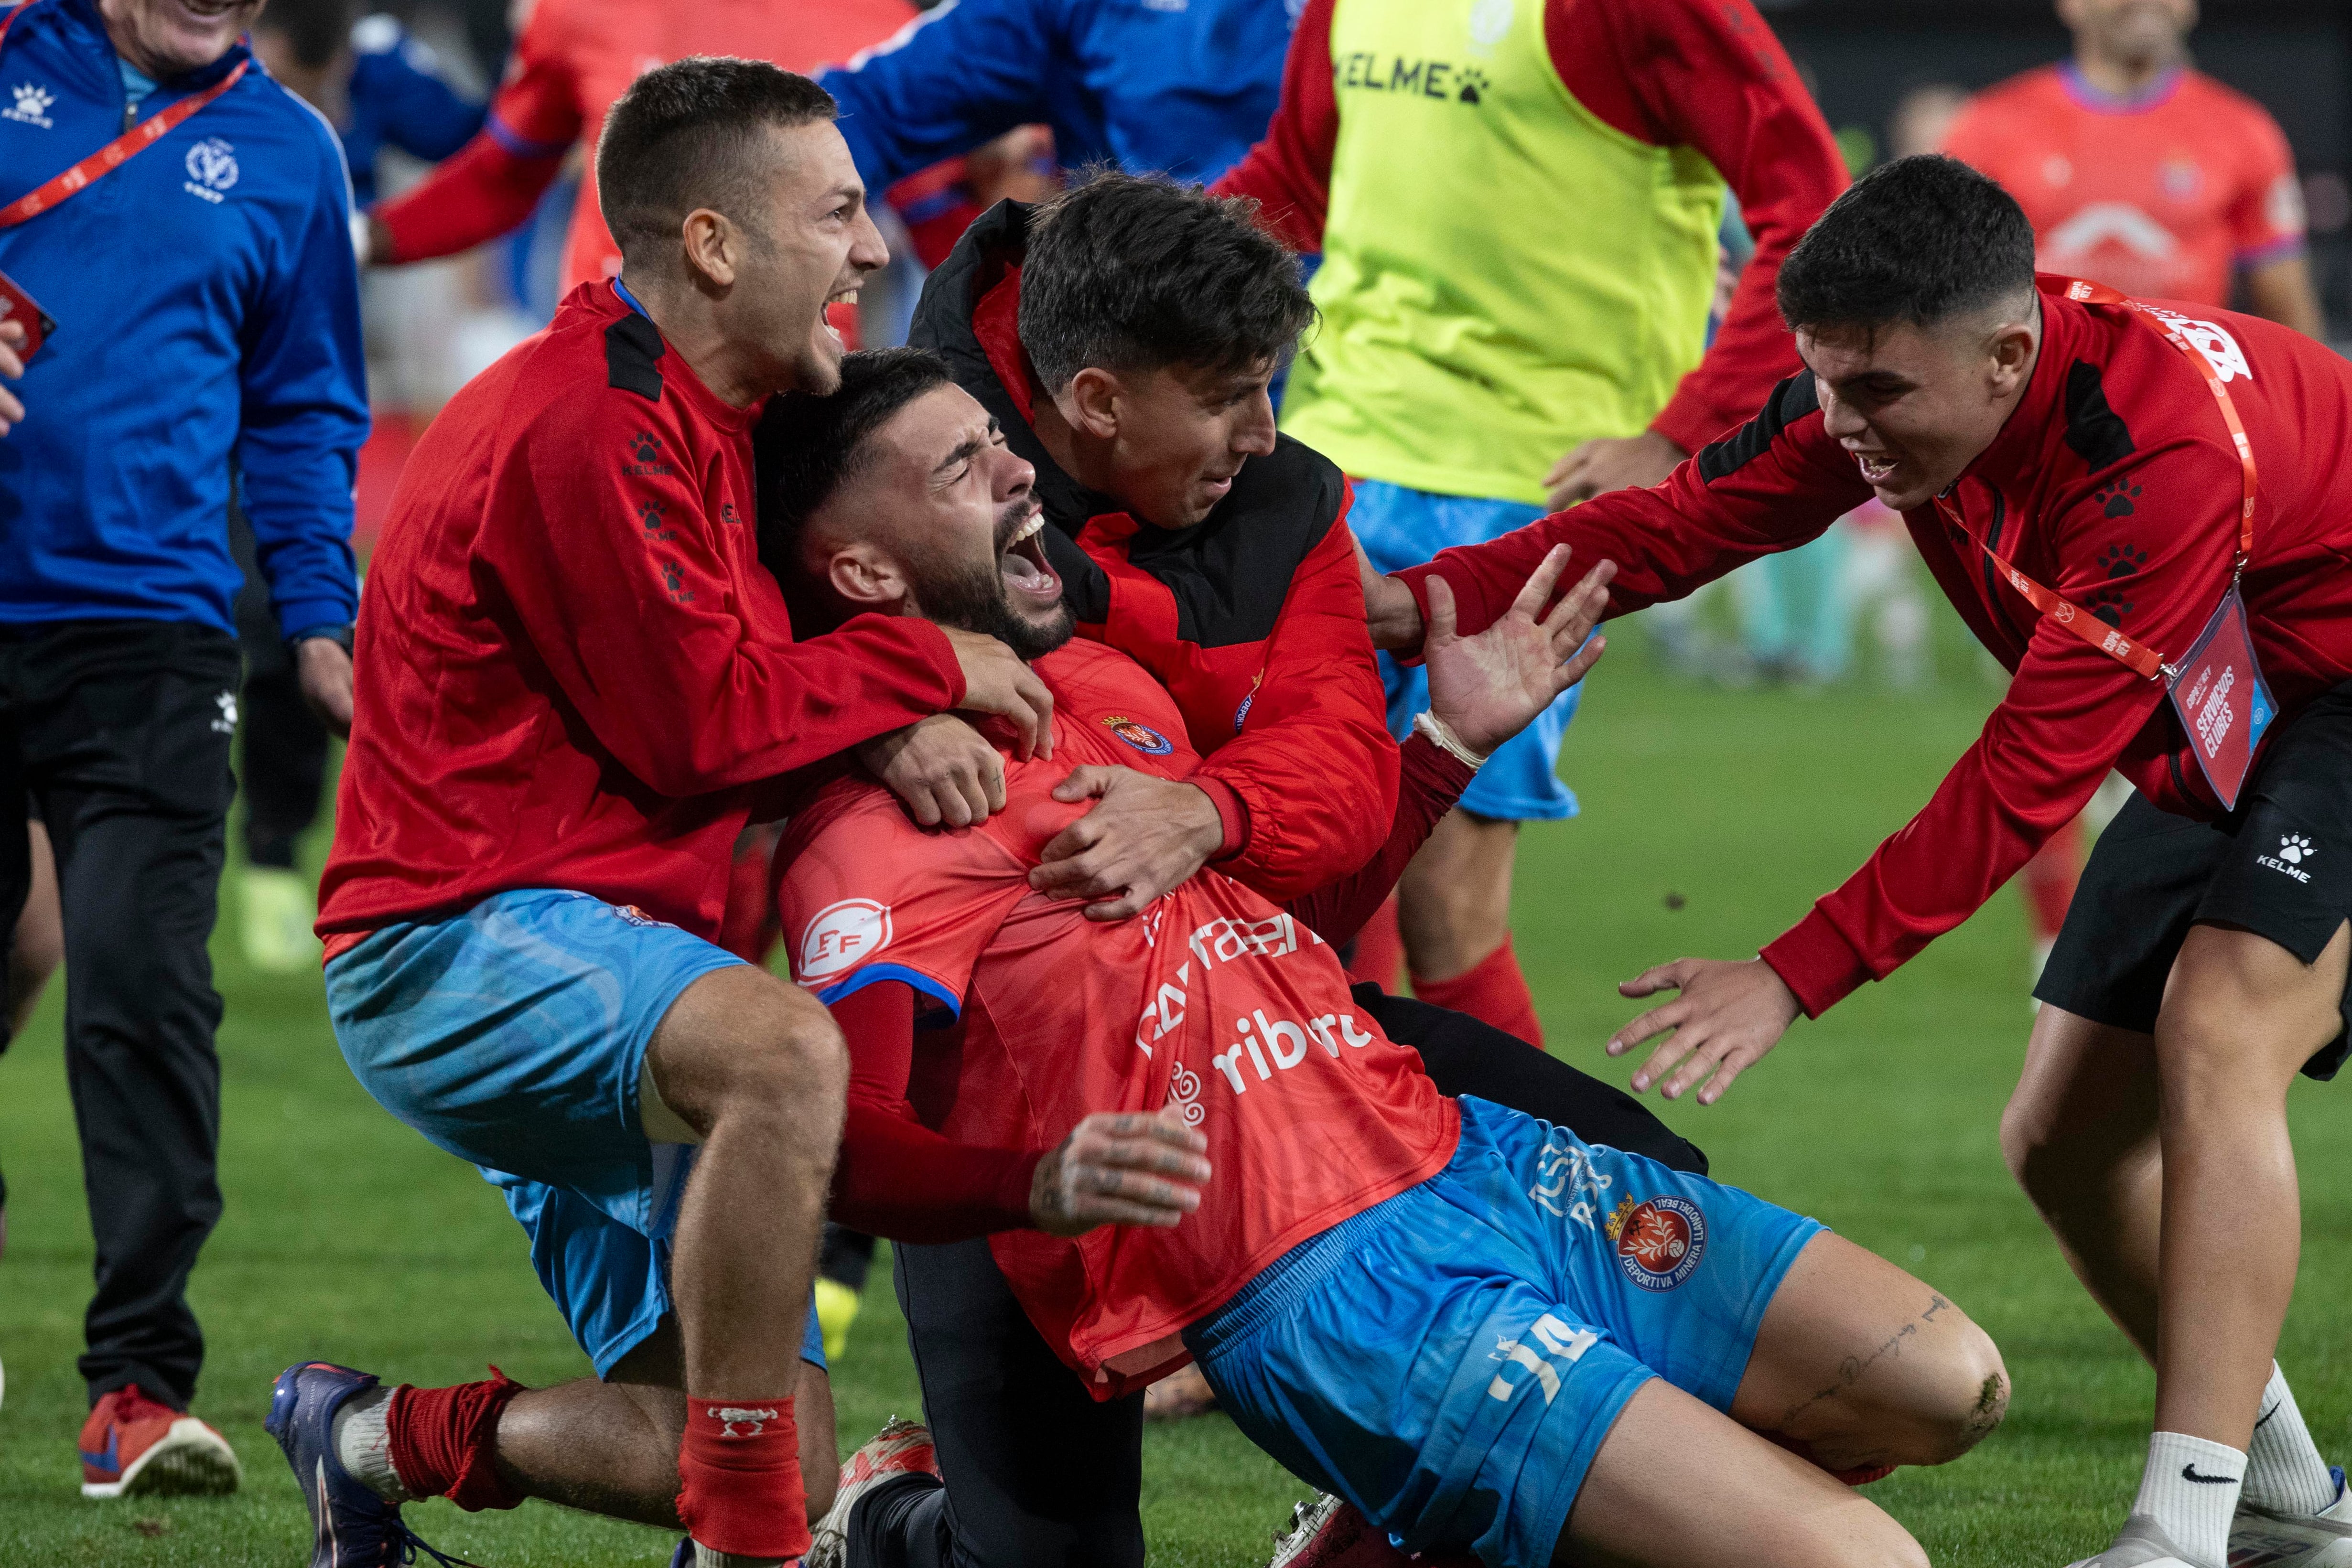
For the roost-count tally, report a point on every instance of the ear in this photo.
(865, 578)
(713, 246)
(1090, 402)
(2011, 355)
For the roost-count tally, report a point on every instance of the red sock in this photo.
(444, 1441)
(739, 1474)
(1380, 950)
(2050, 879)
(1493, 992)
(750, 926)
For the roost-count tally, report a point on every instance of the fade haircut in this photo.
(1134, 273)
(806, 447)
(1924, 240)
(693, 134)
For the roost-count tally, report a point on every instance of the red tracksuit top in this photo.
(1707, 74)
(2115, 482)
(572, 666)
(1253, 619)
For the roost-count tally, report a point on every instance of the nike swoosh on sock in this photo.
(2188, 1473)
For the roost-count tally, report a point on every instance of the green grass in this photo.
(347, 1237)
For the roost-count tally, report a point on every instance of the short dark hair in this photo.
(689, 134)
(806, 446)
(1921, 239)
(1133, 272)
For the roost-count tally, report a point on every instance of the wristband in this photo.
(1441, 735)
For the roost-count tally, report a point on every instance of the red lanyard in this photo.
(2142, 658)
(115, 153)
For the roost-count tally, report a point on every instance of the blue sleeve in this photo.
(420, 113)
(305, 413)
(962, 75)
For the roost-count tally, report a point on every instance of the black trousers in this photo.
(284, 763)
(1039, 1474)
(120, 731)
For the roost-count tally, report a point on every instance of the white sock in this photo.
(2285, 1473)
(363, 1443)
(2191, 1490)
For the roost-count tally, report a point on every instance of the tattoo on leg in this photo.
(1850, 1370)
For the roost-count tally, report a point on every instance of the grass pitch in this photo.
(1711, 819)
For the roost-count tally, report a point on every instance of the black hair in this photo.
(806, 446)
(1922, 239)
(315, 30)
(692, 134)
(1134, 273)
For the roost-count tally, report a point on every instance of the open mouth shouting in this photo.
(842, 297)
(1029, 581)
(1877, 468)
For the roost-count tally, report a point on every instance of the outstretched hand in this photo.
(1727, 1016)
(1120, 1169)
(1490, 687)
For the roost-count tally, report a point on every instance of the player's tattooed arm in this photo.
(1120, 1169)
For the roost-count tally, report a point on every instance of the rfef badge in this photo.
(2223, 703)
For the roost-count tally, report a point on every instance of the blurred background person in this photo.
(1468, 343)
(198, 359)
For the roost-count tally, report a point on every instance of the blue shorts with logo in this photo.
(1449, 1361)
(514, 1037)
(1400, 527)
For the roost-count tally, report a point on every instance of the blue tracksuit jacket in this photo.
(1185, 85)
(207, 310)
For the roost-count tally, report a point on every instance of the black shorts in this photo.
(2279, 866)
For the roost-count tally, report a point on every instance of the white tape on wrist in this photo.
(1441, 736)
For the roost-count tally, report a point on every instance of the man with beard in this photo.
(576, 675)
(1183, 1135)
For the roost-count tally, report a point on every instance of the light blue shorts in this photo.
(513, 1036)
(1400, 527)
(1451, 1360)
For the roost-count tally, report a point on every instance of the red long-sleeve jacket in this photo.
(1253, 619)
(572, 669)
(1707, 74)
(2115, 482)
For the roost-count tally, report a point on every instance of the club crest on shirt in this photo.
(841, 937)
(1139, 735)
(1659, 1240)
(212, 169)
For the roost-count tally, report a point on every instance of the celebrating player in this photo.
(1187, 1136)
(576, 672)
(2112, 532)
(1123, 336)
(1471, 337)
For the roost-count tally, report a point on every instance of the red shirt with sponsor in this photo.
(2115, 482)
(2163, 195)
(574, 59)
(571, 668)
(1213, 1003)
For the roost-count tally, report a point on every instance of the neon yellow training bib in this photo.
(1505, 274)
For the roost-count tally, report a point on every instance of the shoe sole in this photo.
(190, 1460)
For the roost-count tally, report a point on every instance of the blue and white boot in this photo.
(350, 1526)
(2322, 1539)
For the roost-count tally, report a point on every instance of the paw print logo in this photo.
(2116, 499)
(1473, 85)
(672, 579)
(645, 445)
(649, 518)
(2109, 605)
(2120, 560)
(2294, 849)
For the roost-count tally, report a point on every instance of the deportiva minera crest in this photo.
(1139, 735)
(1659, 1240)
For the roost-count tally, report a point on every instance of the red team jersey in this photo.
(574, 59)
(2165, 196)
(1212, 1002)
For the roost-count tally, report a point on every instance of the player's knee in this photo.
(2032, 1146)
(741, 1040)
(1965, 1397)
